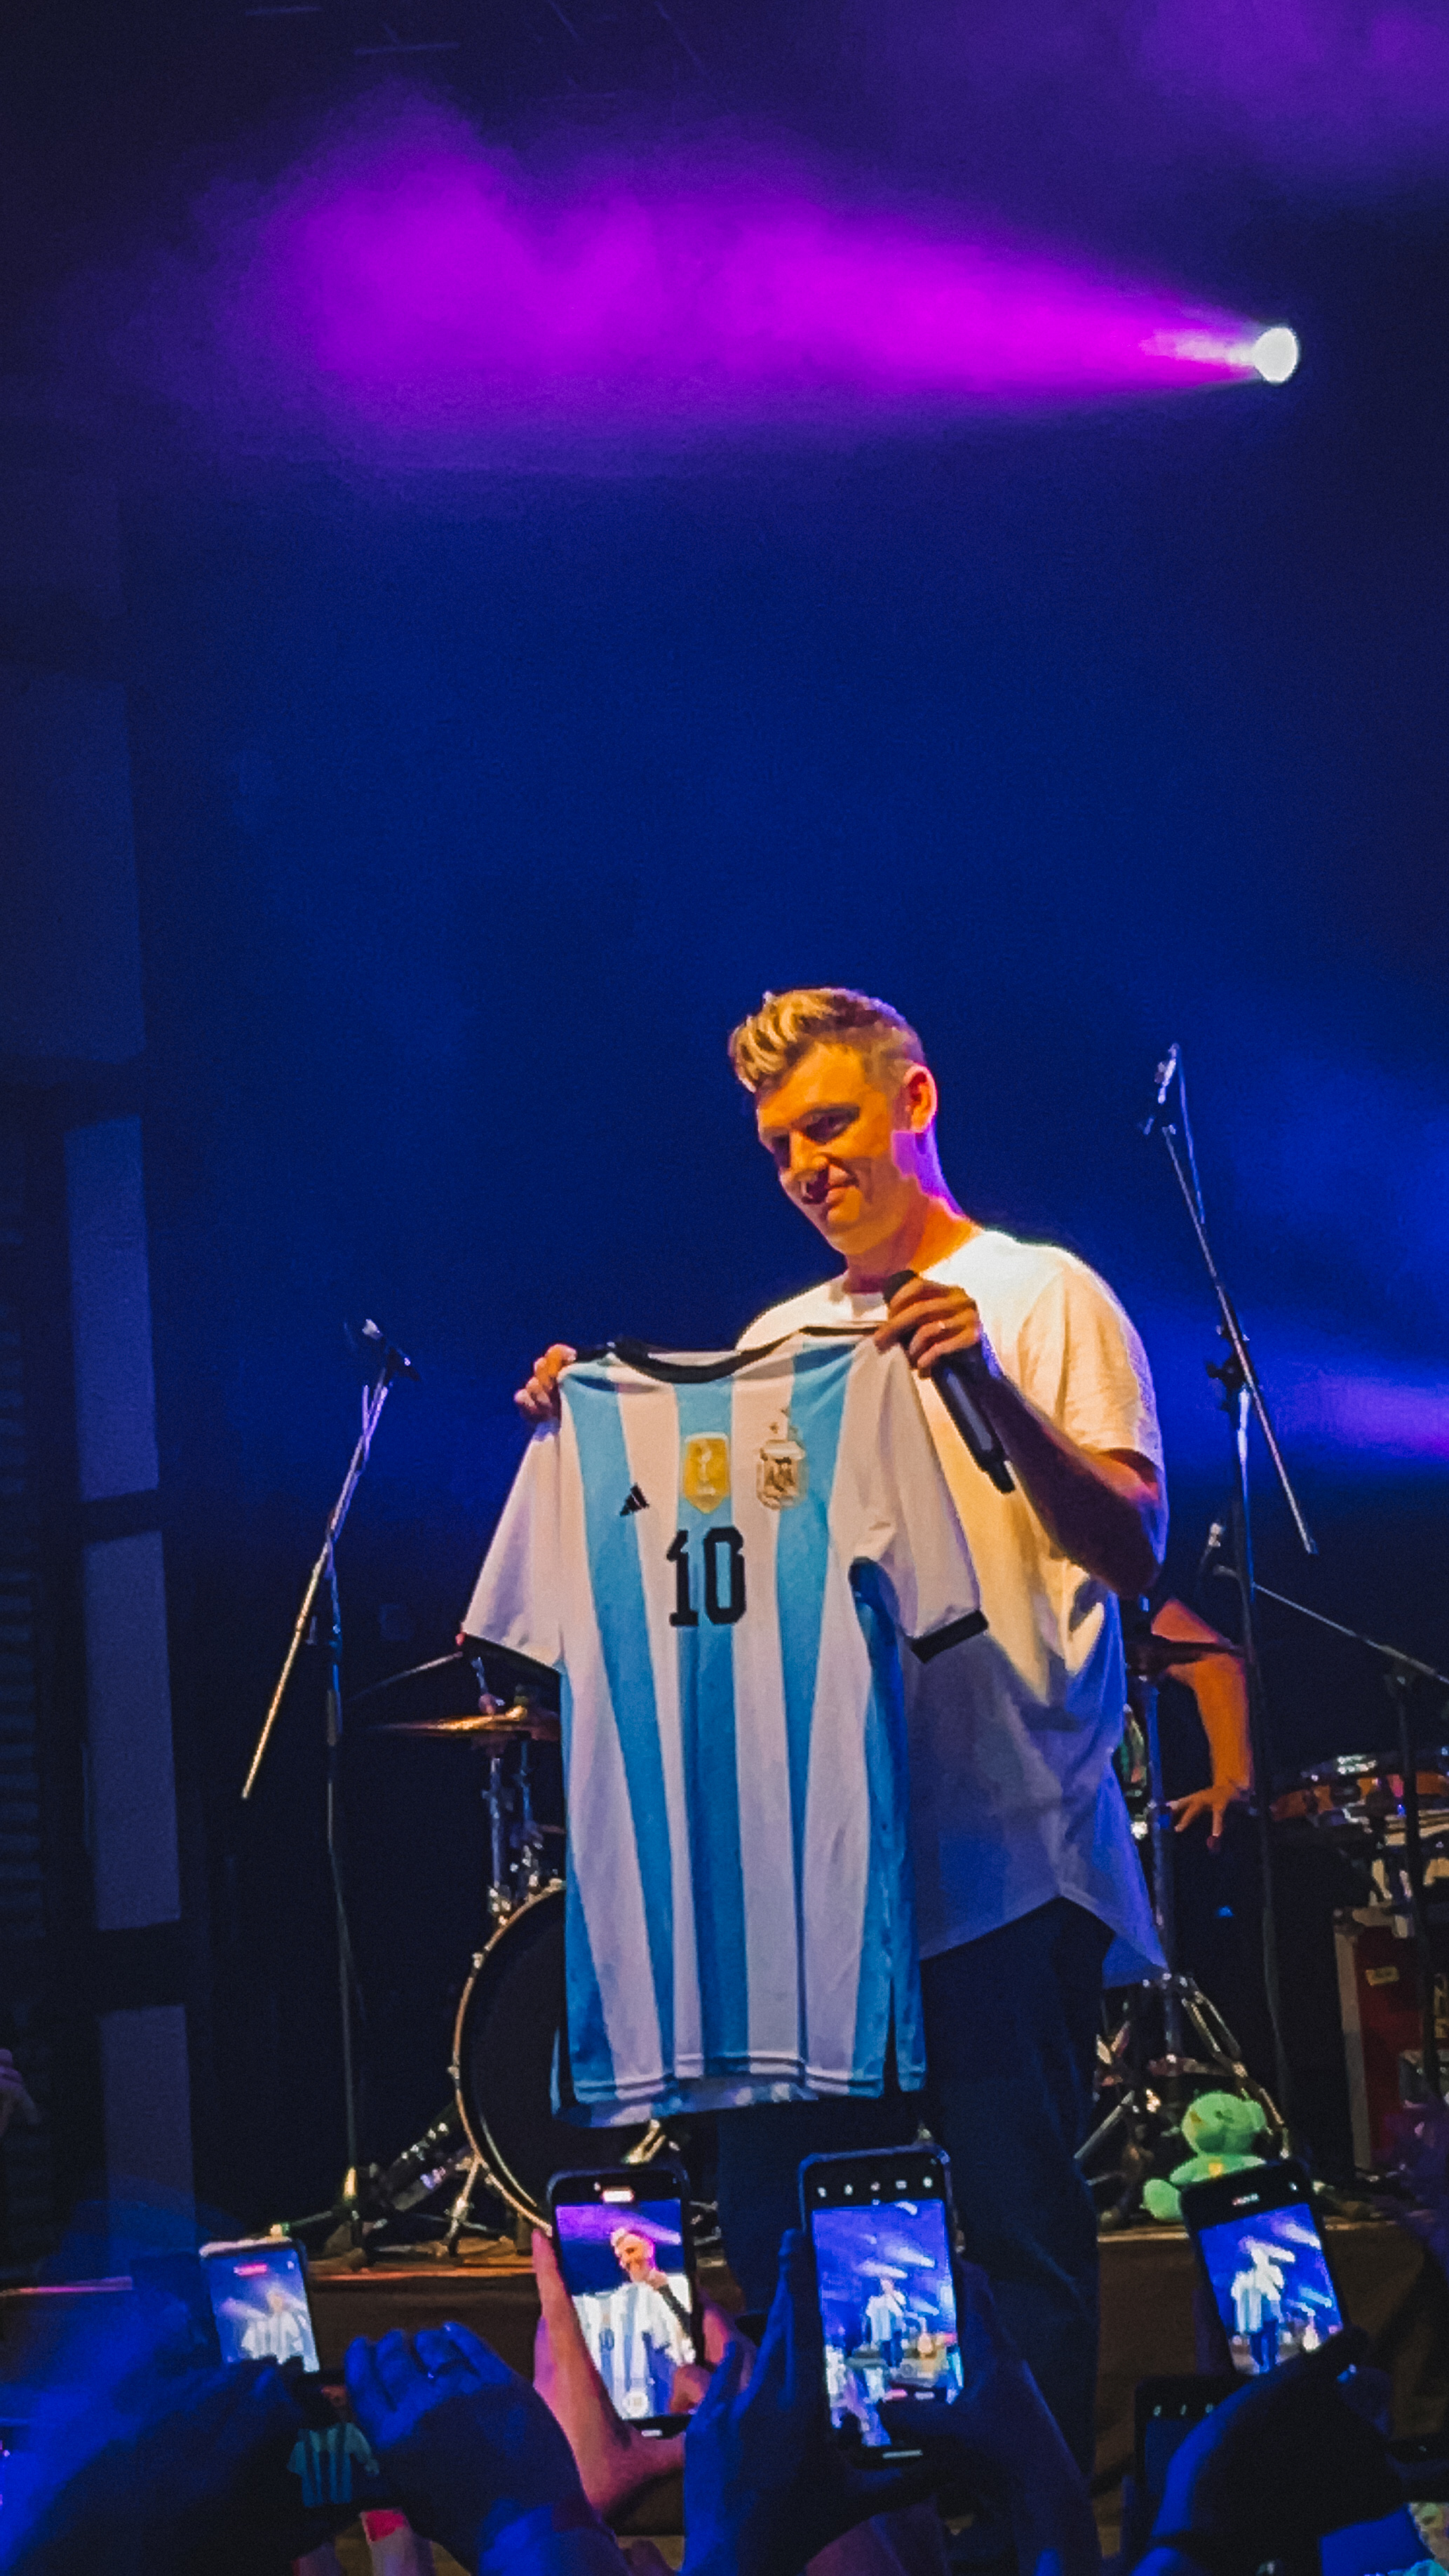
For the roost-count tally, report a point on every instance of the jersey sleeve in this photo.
(1081, 1362)
(516, 1597)
(909, 1525)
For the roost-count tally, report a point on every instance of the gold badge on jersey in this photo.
(704, 1474)
(782, 1471)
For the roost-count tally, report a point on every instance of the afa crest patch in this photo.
(704, 1474)
(782, 1470)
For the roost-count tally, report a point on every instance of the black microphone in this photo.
(396, 1362)
(952, 1379)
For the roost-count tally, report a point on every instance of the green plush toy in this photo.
(1220, 2129)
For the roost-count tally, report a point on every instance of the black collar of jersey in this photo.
(674, 1369)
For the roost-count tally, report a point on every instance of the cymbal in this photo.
(500, 1726)
(1151, 1656)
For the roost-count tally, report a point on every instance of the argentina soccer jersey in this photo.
(724, 1557)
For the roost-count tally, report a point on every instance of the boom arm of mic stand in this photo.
(372, 1405)
(1233, 1331)
(1391, 1654)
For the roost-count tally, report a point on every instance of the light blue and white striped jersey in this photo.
(721, 1556)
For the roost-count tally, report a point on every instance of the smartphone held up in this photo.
(624, 2249)
(1263, 2258)
(258, 2295)
(880, 2224)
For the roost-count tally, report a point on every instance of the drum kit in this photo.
(1389, 1819)
(502, 2133)
(1355, 1805)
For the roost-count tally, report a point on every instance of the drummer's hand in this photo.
(1211, 1803)
(614, 2458)
(539, 1400)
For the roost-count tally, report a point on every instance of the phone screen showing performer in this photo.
(1257, 2238)
(623, 2246)
(881, 2228)
(259, 2300)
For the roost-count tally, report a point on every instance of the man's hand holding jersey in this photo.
(1100, 1507)
(538, 1401)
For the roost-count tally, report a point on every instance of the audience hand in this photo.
(465, 2443)
(1278, 2465)
(614, 2459)
(1000, 2438)
(180, 2483)
(766, 2483)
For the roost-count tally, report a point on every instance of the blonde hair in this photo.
(771, 1042)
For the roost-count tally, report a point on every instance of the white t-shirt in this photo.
(1014, 1798)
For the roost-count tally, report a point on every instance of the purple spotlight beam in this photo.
(408, 286)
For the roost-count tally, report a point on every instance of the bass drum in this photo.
(506, 2042)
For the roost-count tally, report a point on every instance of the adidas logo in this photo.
(636, 1500)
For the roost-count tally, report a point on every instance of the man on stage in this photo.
(638, 2333)
(1024, 1865)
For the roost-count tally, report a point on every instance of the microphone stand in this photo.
(1401, 1671)
(392, 1364)
(1242, 1398)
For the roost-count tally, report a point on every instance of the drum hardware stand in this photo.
(1157, 2091)
(500, 1904)
(503, 1898)
(529, 1834)
(518, 1852)
(1242, 1398)
(352, 2206)
(1401, 1672)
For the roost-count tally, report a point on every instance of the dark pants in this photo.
(1011, 2031)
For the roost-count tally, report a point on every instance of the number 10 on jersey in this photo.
(723, 1552)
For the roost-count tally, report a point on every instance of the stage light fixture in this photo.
(1275, 354)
